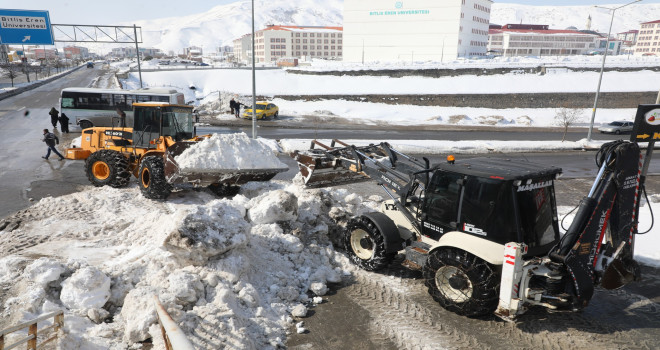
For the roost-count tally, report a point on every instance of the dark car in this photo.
(616, 127)
(90, 64)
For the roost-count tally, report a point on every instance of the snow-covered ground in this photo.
(234, 273)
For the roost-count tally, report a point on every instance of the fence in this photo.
(33, 332)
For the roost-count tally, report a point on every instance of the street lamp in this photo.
(254, 84)
(602, 67)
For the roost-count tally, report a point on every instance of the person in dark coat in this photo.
(237, 107)
(232, 105)
(122, 118)
(54, 113)
(51, 140)
(64, 123)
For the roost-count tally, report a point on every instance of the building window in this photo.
(304, 53)
(304, 47)
(304, 35)
(298, 47)
(311, 35)
(325, 47)
(325, 35)
(325, 53)
(338, 41)
(318, 47)
(298, 34)
(298, 41)
(332, 35)
(332, 47)
(304, 41)
(339, 35)
(325, 41)
(311, 41)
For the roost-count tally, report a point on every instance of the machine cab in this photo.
(495, 199)
(153, 120)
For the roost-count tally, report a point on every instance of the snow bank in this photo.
(228, 151)
(233, 273)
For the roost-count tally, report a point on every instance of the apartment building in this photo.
(539, 40)
(415, 30)
(648, 39)
(275, 42)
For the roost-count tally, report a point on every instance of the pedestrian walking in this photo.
(122, 118)
(51, 140)
(232, 105)
(54, 113)
(64, 123)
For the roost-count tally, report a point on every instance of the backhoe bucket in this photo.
(320, 170)
(175, 175)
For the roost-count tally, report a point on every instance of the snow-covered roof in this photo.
(539, 32)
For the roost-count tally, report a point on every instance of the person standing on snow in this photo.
(64, 123)
(232, 105)
(53, 116)
(51, 140)
(237, 106)
(122, 118)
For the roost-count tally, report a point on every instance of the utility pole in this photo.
(254, 83)
(602, 67)
(137, 54)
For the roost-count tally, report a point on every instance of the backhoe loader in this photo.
(484, 231)
(148, 149)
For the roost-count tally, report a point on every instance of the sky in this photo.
(101, 13)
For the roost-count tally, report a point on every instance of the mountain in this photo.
(222, 24)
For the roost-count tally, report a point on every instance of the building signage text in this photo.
(23, 22)
(399, 12)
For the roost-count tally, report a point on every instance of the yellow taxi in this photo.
(264, 110)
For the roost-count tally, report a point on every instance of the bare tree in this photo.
(566, 117)
(10, 71)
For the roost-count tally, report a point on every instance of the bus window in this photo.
(120, 101)
(105, 102)
(67, 102)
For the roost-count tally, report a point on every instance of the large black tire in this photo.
(365, 244)
(224, 190)
(107, 168)
(84, 124)
(151, 178)
(461, 282)
(277, 114)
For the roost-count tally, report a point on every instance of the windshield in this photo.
(259, 106)
(616, 123)
(178, 122)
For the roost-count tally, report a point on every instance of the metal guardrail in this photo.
(173, 336)
(33, 332)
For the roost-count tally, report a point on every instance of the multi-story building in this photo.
(415, 30)
(275, 42)
(629, 37)
(539, 40)
(648, 39)
(130, 52)
(243, 48)
(76, 52)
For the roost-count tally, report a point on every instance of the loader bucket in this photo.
(174, 175)
(320, 170)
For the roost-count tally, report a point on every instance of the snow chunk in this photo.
(231, 151)
(139, 313)
(87, 288)
(299, 311)
(185, 286)
(209, 231)
(44, 271)
(273, 206)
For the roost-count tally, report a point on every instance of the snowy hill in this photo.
(222, 24)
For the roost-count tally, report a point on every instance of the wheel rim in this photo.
(100, 170)
(361, 244)
(453, 284)
(145, 178)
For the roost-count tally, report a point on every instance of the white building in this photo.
(275, 42)
(648, 39)
(415, 30)
(538, 40)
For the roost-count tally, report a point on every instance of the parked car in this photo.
(264, 110)
(616, 127)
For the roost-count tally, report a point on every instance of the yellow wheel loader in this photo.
(160, 132)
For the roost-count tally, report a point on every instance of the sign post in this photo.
(25, 27)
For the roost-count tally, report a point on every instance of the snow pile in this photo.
(228, 151)
(233, 273)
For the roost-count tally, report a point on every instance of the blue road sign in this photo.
(25, 27)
